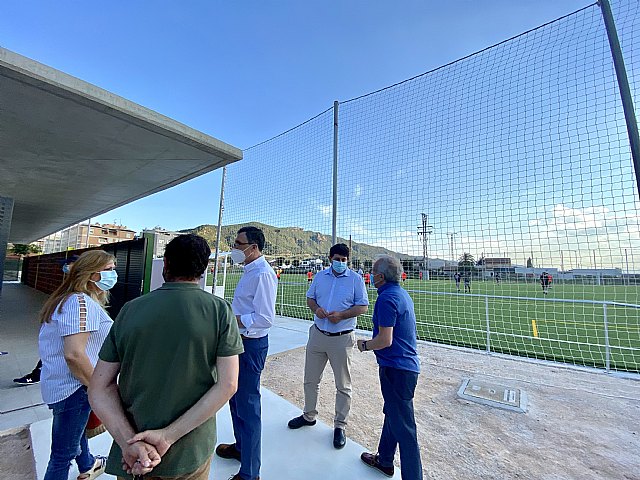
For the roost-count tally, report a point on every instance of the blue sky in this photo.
(246, 71)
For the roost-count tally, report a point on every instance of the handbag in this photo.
(94, 426)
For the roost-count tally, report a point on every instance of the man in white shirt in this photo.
(254, 305)
(336, 297)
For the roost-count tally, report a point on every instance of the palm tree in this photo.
(466, 262)
(22, 249)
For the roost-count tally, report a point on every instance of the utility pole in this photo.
(275, 248)
(350, 251)
(626, 259)
(425, 230)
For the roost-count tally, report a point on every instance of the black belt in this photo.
(333, 334)
(244, 337)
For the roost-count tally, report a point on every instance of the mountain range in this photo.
(292, 242)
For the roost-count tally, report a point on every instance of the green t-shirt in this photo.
(167, 343)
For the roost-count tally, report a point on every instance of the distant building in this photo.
(315, 264)
(85, 236)
(593, 276)
(497, 263)
(593, 272)
(436, 263)
(535, 273)
(161, 238)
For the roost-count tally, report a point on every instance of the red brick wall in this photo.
(44, 272)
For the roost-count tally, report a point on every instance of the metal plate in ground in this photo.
(493, 395)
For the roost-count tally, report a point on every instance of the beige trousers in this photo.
(202, 473)
(338, 351)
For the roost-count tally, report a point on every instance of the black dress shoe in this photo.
(300, 421)
(372, 461)
(339, 438)
(228, 450)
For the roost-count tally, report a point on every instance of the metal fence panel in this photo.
(511, 166)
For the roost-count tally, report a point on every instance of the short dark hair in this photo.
(254, 235)
(340, 249)
(187, 256)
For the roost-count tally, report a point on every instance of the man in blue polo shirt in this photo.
(336, 297)
(394, 343)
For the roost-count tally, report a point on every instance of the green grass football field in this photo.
(526, 323)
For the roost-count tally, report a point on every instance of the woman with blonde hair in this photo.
(74, 326)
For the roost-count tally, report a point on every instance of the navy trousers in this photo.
(245, 407)
(398, 387)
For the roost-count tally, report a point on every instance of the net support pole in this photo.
(334, 232)
(218, 232)
(607, 346)
(623, 84)
(486, 312)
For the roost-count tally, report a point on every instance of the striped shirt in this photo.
(79, 313)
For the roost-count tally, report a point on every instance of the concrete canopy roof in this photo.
(70, 150)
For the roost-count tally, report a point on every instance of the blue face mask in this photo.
(66, 268)
(108, 278)
(338, 267)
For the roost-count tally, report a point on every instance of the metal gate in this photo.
(44, 273)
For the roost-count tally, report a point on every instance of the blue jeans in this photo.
(68, 440)
(398, 387)
(245, 407)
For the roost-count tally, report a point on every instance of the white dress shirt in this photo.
(255, 298)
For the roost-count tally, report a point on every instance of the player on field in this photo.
(467, 283)
(545, 279)
(457, 277)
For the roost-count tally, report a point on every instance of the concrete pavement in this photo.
(287, 454)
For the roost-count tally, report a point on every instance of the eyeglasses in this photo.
(237, 244)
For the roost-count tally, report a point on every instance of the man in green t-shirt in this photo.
(169, 364)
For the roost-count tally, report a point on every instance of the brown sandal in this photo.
(99, 465)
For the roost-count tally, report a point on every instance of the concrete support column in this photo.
(6, 212)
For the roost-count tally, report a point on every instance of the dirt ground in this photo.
(16, 461)
(578, 425)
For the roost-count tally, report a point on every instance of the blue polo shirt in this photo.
(394, 308)
(337, 293)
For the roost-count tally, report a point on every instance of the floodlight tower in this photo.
(425, 230)
(451, 235)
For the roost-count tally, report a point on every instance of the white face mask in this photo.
(238, 255)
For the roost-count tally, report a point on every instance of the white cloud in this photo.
(560, 236)
(579, 219)
(325, 210)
